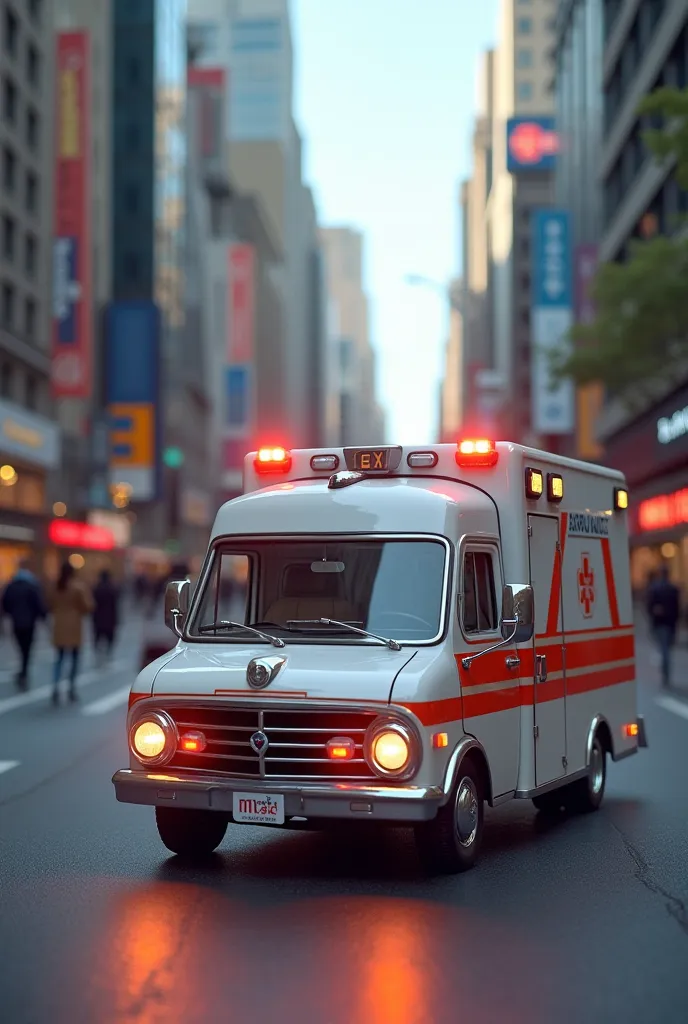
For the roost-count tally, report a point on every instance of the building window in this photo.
(7, 307)
(131, 199)
(133, 138)
(524, 91)
(524, 59)
(9, 233)
(131, 266)
(32, 129)
(9, 169)
(9, 101)
(31, 392)
(11, 31)
(6, 380)
(30, 320)
(524, 26)
(30, 255)
(32, 64)
(31, 192)
(479, 611)
(133, 71)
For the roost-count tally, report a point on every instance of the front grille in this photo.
(296, 747)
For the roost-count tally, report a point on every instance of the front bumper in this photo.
(351, 801)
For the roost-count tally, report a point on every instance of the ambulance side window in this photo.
(479, 605)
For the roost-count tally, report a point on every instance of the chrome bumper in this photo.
(301, 800)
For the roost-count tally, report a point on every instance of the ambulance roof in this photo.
(387, 505)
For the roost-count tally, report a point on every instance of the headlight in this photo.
(153, 738)
(392, 749)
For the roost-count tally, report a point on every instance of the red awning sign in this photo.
(65, 533)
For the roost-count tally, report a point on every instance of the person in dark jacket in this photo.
(23, 603)
(664, 610)
(105, 613)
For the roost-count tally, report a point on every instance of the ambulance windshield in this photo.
(395, 588)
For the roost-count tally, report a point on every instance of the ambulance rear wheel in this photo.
(586, 795)
(451, 842)
(190, 833)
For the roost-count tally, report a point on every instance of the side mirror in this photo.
(518, 613)
(177, 605)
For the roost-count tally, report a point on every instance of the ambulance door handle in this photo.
(512, 662)
(541, 668)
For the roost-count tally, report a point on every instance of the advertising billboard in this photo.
(532, 144)
(553, 408)
(132, 375)
(72, 321)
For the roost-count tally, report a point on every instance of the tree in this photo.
(640, 330)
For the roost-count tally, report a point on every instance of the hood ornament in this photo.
(259, 743)
(261, 671)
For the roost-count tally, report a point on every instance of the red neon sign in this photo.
(664, 511)
(65, 533)
(530, 143)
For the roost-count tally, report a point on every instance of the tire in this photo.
(450, 843)
(190, 833)
(550, 803)
(586, 795)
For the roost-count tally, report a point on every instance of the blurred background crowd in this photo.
(169, 298)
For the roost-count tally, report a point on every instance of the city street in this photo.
(580, 921)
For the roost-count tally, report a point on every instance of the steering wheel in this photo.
(407, 615)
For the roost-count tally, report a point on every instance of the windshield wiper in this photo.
(393, 645)
(274, 640)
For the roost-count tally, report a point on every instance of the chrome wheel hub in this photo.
(466, 812)
(596, 768)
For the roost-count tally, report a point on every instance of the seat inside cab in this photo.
(310, 595)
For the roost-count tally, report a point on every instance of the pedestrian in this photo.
(664, 610)
(23, 603)
(71, 601)
(105, 613)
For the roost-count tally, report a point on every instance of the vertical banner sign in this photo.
(553, 408)
(72, 326)
(590, 397)
(208, 86)
(241, 304)
(239, 376)
(132, 358)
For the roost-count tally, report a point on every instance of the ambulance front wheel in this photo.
(451, 842)
(190, 833)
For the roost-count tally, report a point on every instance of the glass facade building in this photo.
(579, 114)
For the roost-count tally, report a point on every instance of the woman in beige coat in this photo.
(70, 602)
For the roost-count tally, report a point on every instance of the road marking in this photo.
(109, 703)
(20, 700)
(677, 707)
(6, 766)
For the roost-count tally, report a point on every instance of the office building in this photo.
(645, 46)
(29, 437)
(451, 389)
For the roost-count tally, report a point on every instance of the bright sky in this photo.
(385, 94)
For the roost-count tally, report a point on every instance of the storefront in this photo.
(85, 546)
(29, 450)
(653, 454)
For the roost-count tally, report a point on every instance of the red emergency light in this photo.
(273, 460)
(478, 452)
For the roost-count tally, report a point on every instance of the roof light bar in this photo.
(424, 460)
(479, 452)
(273, 460)
(555, 488)
(535, 484)
(620, 499)
(325, 462)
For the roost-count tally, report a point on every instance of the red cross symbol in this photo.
(586, 586)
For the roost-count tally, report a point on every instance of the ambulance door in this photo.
(549, 686)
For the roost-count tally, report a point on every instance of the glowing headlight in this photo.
(153, 738)
(390, 750)
(149, 739)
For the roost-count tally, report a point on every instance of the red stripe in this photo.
(611, 585)
(555, 592)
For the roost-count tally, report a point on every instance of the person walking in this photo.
(664, 610)
(23, 603)
(105, 613)
(71, 601)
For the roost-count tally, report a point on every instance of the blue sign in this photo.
(66, 289)
(238, 396)
(532, 144)
(552, 270)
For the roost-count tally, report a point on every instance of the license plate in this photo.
(258, 808)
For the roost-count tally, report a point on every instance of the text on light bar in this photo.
(478, 452)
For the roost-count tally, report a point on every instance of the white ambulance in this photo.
(397, 634)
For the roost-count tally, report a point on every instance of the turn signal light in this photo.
(631, 729)
(273, 460)
(193, 742)
(479, 452)
(341, 748)
(440, 740)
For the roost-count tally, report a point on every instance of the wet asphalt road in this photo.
(581, 921)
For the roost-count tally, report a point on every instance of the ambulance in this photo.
(393, 634)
